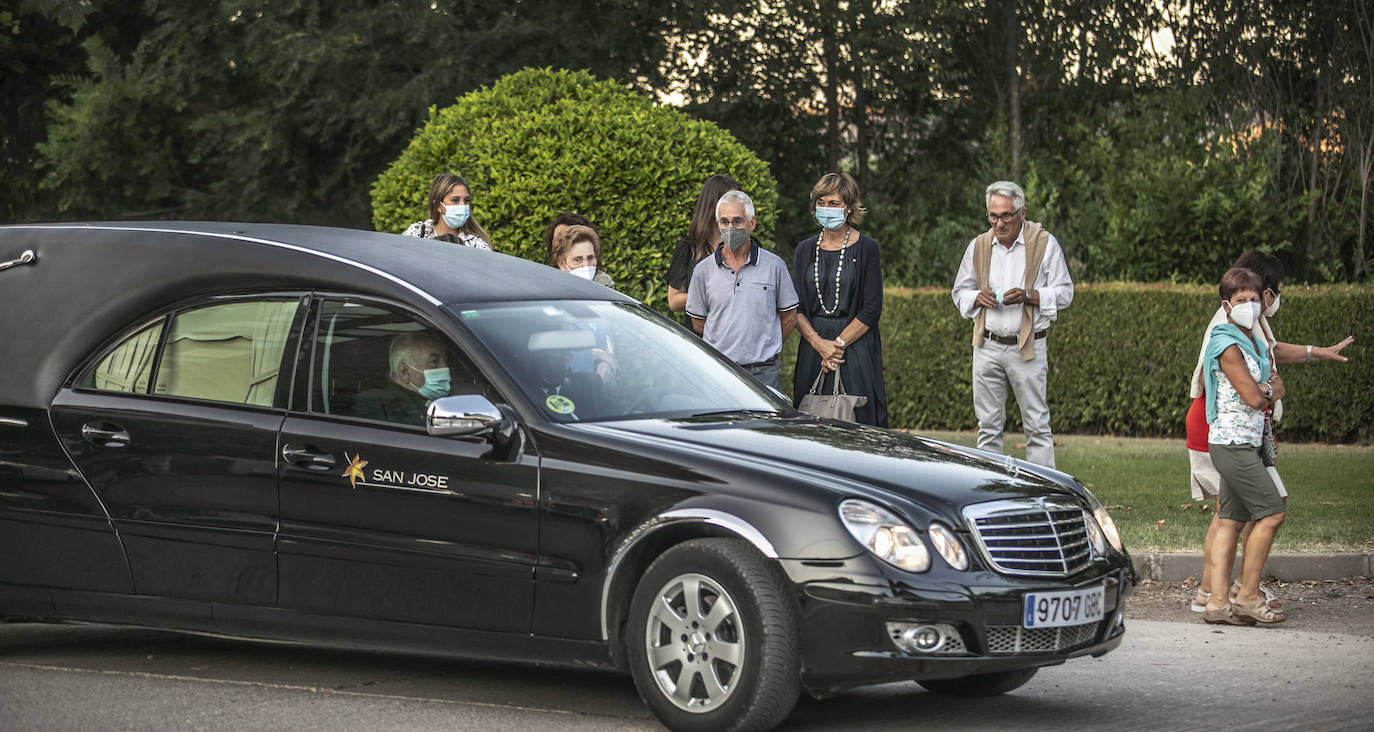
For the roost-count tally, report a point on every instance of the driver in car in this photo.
(556, 356)
(419, 374)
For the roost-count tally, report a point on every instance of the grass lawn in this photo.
(1144, 484)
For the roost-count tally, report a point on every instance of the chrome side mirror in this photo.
(465, 415)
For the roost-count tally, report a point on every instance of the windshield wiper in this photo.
(739, 412)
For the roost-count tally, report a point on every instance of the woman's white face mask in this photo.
(1246, 314)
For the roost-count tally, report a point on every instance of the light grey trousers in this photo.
(996, 365)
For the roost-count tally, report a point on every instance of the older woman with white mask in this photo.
(577, 250)
(1203, 477)
(1239, 388)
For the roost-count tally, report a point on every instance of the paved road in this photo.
(1165, 676)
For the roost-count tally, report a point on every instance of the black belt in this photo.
(768, 362)
(1011, 340)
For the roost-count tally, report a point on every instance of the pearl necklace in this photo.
(816, 272)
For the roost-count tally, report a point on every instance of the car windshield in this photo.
(584, 361)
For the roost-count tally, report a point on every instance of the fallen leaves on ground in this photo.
(1159, 524)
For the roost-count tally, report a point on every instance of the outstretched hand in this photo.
(1333, 353)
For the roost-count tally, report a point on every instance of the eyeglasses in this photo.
(1005, 218)
(737, 223)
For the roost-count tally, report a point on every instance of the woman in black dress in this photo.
(840, 282)
(703, 236)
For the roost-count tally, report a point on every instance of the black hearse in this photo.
(223, 428)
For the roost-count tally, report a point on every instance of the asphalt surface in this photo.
(1166, 675)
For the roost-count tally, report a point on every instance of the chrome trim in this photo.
(28, 257)
(712, 516)
(13, 422)
(244, 237)
(1038, 514)
(462, 414)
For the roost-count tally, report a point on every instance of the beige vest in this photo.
(1036, 239)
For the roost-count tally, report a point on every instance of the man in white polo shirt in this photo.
(741, 299)
(1013, 282)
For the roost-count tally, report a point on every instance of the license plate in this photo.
(1066, 607)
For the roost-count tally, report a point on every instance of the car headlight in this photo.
(1108, 526)
(885, 535)
(947, 544)
(1095, 535)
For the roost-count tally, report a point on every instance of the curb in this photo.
(1176, 567)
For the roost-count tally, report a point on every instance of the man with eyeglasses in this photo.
(741, 300)
(1012, 283)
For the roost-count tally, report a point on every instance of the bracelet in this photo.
(840, 342)
(1309, 352)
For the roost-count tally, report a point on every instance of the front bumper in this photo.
(846, 608)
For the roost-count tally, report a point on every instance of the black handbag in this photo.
(835, 405)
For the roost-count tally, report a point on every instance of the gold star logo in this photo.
(354, 471)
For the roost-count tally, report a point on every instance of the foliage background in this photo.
(1158, 139)
(540, 142)
(1120, 359)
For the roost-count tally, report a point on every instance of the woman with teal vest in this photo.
(1240, 386)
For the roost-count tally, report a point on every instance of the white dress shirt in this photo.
(1006, 271)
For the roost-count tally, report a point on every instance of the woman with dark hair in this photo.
(839, 280)
(450, 215)
(703, 236)
(1239, 387)
(1203, 476)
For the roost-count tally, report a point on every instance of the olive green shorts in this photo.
(1247, 492)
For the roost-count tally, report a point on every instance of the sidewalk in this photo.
(1179, 566)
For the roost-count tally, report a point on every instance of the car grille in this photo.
(1041, 537)
(1004, 640)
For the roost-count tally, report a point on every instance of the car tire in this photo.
(712, 639)
(979, 685)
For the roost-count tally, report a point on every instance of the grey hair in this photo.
(1008, 189)
(737, 197)
(404, 345)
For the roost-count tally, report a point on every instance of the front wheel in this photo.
(992, 684)
(713, 640)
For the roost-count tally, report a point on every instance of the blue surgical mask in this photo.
(455, 215)
(830, 218)
(437, 383)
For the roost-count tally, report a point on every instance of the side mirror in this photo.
(465, 415)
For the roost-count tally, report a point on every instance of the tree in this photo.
(541, 142)
(287, 110)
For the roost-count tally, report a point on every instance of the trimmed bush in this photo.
(1120, 359)
(542, 142)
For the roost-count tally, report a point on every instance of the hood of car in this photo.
(857, 459)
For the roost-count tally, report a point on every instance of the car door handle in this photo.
(307, 456)
(104, 434)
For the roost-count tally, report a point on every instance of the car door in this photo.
(379, 519)
(175, 430)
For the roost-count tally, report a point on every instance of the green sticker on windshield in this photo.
(559, 404)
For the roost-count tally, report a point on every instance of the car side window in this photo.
(373, 363)
(227, 352)
(128, 367)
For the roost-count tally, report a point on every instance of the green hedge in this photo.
(542, 142)
(1120, 359)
